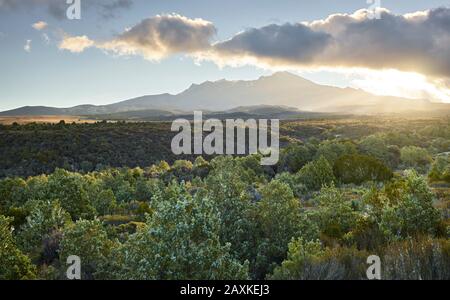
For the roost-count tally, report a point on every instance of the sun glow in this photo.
(400, 84)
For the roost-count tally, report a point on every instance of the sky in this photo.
(121, 49)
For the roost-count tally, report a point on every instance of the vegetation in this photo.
(113, 195)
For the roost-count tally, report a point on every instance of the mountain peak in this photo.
(280, 89)
(285, 76)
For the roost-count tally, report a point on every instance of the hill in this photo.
(280, 89)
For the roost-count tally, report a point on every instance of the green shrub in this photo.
(89, 241)
(360, 168)
(417, 259)
(415, 157)
(309, 261)
(440, 170)
(316, 174)
(14, 265)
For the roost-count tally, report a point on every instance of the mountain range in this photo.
(281, 91)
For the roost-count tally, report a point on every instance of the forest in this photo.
(114, 195)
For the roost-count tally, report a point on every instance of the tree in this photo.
(316, 174)
(104, 202)
(69, 189)
(332, 150)
(440, 170)
(279, 220)
(300, 253)
(295, 156)
(415, 157)
(360, 168)
(14, 265)
(89, 241)
(38, 188)
(13, 192)
(180, 241)
(158, 170)
(230, 186)
(146, 188)
(297, 187)
(181, 171)
(201, 167)
(122, 182)
(45, 218)
(376, 146)
(335, 213)
(413, 212)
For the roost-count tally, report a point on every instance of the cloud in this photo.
(57, 8)
(418, 42)
(27, 46)
(157, 37)
(108, 10)
(276, 44)
(153, 38)
(41, 25)
(75, 44)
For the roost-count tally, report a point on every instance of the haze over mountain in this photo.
(279, 89)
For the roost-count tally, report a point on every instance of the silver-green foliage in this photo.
(179, 241)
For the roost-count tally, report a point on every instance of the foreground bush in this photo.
(179, 241)
(309, 261)
(414, 259)
(14, 265)
(421, 259)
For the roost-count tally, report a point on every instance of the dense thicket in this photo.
(35, 149)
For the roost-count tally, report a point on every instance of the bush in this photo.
(279, 220)
(335, 214)
(332, 150)
(104, 202)
(409, 210)
(417, 259)
(13, 192)
(14, 265)
(440, 170)
(316, 174)
(415, 157)
(375, 146)
(180, 241)
(293, 182)
(89, 241)
(294, 157)
(69, 189)
(45, 218)
(309, 261)
(360, 168)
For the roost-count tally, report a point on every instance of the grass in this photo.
(8, 120)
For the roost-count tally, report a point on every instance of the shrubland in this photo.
(342, 190)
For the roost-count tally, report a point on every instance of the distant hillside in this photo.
(244, 112)
(281, 90)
